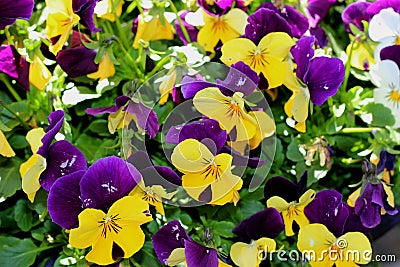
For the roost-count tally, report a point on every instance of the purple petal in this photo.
(190, 29)
(63, 203)
(241, 78)
(320, 36)
(200, 256)
(190, 86)
(219, 8)
(146, 118)
(297, 21)
(77, 61)
(140, 160)
(14, 65)
(62, 159)
(355, 13)
(353, 223)
(328, 209)
(265, 223)
(106, 181)
(391, 52)
(323, 78)
(86, 12)
(386, 161)
(56, 120)
(368, 205)
(264, 21)
(317, 9)
(302, 53)
(169, 237)
(285, 188)
(10, 10)
(119, 102)
(377, 6)
(170, 179)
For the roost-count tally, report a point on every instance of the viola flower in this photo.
(49, 161)
(166, 86)
(386, 76)
(106, 68)
(107, 9)
(11, 10)
(14, 65)
(221, 28)
(59, 23)
(145, 118)
(39, 74)
(207, 178)
(77, 61)
(316, 10)
(329, 249)
(379, 5)
(361, 58)
(290, 199)
(268, 57)
(354, 14)
(215, 8)
(173, 246)
(248, 255)
(385, 165)
(317, 88)
(5, 148)
(151, 28)
(373, 198)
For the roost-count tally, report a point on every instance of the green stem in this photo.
(9, 39)
(359, 130)
(185, 33)
(121, 34)
(10, 88)
(44, 248)
(348, 64)
(134, 64)
(159, 65)
(16, 115)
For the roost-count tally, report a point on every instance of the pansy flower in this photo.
(173, 246)
(106, 68)
(156, 181)
(14, 65)
(250, 255)
(316, 10)
(95, 206)
(108, 9)
(355, 14)
(5, 148)
(11, 10)
(49, 161)
(145, 118)
(314, 86)
(289, 199)
(207, 177)
(378, 5)
(39, 74)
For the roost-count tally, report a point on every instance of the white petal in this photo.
(384, 24)
(386, 74)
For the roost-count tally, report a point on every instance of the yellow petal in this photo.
(307, 197)
(166, 85)
(236, 19)
(130, 239)
(356, 242)
(206, 36)
(244, 255)
(301, 102)
(191, 156)
(277, 45)
(104, 9)
(131, 210)
(300, 126)
(177, 256)
(39, 74)
(150, 28)
(274, 71)
(315, 237)
(225, 190)
(106, 68)
(34, 138)
(267, 244)
(278, 203)
(223, 264)
(389, 192)
(239, 49)
(116, 120)
(5, 148)
(351, 201)
(101, 252)
(265, 127)
(30, 172)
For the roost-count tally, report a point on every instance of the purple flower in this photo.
(386, 162)
(321, 38)
(10, 10)
(172, 237)
(310, 69)
(265, 223)
(106, 181)
(265, 21)
(377, 6)
(145, 117)
(219, 7)
(355, 13)
(191, 30)
(14, 65)
(285, 188)
(77, 61)
(316, 11)
(85, 10)
(391, 52)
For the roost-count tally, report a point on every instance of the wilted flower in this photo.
(321, 149)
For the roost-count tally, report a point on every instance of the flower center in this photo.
(212, 170)
(292, 209)
(397, 42)
(394, 96)
(109, 224)
(150, 196)
(219, 25)
(258, 59)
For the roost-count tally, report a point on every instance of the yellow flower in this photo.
(107, 9)
(166, 85)
(202, 171)
(32, 169)
(250, 255)
(292, 211)
(224, 28)
(119, 226)
(5, 148)
(360, 56)
(324, 249)
(152, 195)
(59, 22)
(39, 75)
(268, 57)
(150, 28)
(106, 68)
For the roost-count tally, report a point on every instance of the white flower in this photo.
(386, 76)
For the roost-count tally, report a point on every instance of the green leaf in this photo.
(99, 126)
(293, 152)
(223, 228)
(23, 215)
(381, 115)
(17, 252)
(10, 180)
(22, 109)
(18, 141)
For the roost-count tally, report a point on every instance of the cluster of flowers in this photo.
(104, 205)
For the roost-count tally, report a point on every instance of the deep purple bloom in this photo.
(173, 236)
(317, 9)
(191, 30)
(10, 10)
(391, 52)
(353, 223)
(85, 10)
(106, 181)
(265, 21)
(265, 223)
(355, 13)
(146, 118)
(285, 188)
(321, 75)
(77, 61)
(321, 38)
(14, 65)
(219, 8)
(378, 5)
(386, 162)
